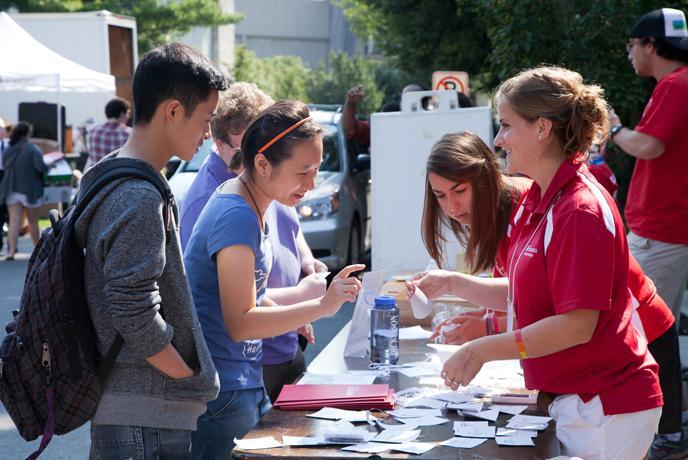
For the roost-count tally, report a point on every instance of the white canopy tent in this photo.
(31, 72)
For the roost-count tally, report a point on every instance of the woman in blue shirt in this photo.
(228, 260)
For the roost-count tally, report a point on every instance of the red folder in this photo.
(306, 397)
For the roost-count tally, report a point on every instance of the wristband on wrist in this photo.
(519, 344)
(495, 324)
(488, 324)
(615, 130)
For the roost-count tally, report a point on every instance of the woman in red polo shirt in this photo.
(567, 269)
(467, 194)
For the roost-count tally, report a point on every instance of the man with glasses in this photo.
(657, 204)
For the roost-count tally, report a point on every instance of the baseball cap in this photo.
(666, 23)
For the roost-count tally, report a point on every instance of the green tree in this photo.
(329, 85)
(157, 21)
(282, 77)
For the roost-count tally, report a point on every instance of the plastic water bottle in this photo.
(384, 330)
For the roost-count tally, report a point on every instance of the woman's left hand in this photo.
(462, 367)
(308, 332)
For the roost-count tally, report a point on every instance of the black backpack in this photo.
(51, 374)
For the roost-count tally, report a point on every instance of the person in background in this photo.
(4, 144)
(465, 192)
(600, 169)
(21, 188)
(112, 134)
(282, 359)
(134, 275)
(567, 277)
(228, 260)
(657, 203)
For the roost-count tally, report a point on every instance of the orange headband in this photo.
(283, 133)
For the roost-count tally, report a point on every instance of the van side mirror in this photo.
(362, 162)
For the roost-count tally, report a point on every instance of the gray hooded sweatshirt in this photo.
(136, 285)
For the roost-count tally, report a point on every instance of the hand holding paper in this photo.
(420, 304)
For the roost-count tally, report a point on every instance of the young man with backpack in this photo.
(134, 278)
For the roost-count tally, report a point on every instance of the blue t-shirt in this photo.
(227, 220)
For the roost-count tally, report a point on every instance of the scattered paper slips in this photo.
(465, 423)
(425, 421)
(513, 432)
(426, 402)
(463, 443)
(401, 426)
(368, 447)
(413, 447)
(414, 333)
(512, 410)
(302, 441)
(528, 422)
(476, 431)
(420, 304)
(267, 442)
(452, 397)
(332, 413)
(396, 436)
(414, 412)
(467, 407)
(518, 440)
(491, 415)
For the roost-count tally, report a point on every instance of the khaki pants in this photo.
(666, 264)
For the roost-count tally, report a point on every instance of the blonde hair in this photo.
(578, 111)
(238, 106)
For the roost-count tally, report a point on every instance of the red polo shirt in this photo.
(654, 314)
(657, 204)
(569, 252)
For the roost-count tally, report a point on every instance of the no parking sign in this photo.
(453, 80)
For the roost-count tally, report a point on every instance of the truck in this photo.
(100, 40)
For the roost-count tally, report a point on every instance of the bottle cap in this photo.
(385, 302)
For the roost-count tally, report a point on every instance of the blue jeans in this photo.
(117, 442)
(230, 416)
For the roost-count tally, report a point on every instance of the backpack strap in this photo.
(122, 168)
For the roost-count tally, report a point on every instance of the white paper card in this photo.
(515, 441)
(413, 447)
(368, 447)
(416, 371)
(321, 275)
(414, 333)
(467, 407)
(396, 436)
(357, 343)
(402, 426)
(303, 441)
(469, 424)
(514, 432)
(513, 410)
(331, 413)
(426, 402)
(414, 412)
(444, 351)
(425, 421)
(528, 422)
(420, 304)
(267, 442)
(453, 397)
(475, 431)
(491, 415)
(354, 436)
(463, 443)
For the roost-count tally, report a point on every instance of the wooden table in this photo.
(331, 360)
